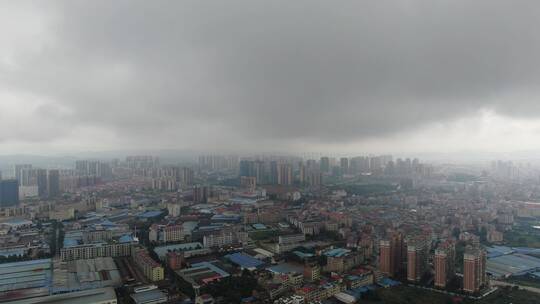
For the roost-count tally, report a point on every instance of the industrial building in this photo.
(32, 276)
(244, 261)
(189, 249)
(512, 265)
(94, 296)
(152, 296)
(203, 273)
(85, 274)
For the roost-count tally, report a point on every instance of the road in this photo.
(500, 283)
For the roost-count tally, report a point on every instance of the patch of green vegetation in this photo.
(525, 281)
(509, 295)
(523, 235)
(411, 295)
(405, 294)
(262, 234)
(518, 239)
(233, 289)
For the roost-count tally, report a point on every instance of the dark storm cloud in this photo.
(314, 71)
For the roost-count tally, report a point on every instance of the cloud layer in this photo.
(233, 75)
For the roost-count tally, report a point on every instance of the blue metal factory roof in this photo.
(244, 260)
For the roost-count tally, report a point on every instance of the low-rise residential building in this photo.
(167, 233)
(151, 269)
(94, 250)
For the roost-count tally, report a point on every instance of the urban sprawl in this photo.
(269, 229)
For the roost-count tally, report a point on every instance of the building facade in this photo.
(474, 270)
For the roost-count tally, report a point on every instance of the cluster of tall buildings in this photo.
(504, 169)
(171, 178)
(36, 181)
(201, 193)
(278, 172)
(403, 167)
(309, 175)
(311, 171)
(281, 173)
(267, 172)
(383, 164)
(354, 165)
(368, 164)
(135, 162)
(50, 183)
(399, 257)
(218, 162)
(93, 168)
(392, 255)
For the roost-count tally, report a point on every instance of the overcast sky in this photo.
(341, 76)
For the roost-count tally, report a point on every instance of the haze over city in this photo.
(269, 152)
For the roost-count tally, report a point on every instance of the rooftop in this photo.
(16, 222)
(150, 214)
(259, 226)
(286, 268)
(161, 251)
(202, 273)
(148, 296)
(512, 264)
(244, 260)
(336, 252)
(81, 297)
(24, 275)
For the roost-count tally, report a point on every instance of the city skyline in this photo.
(323, 228)
(269, 152)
